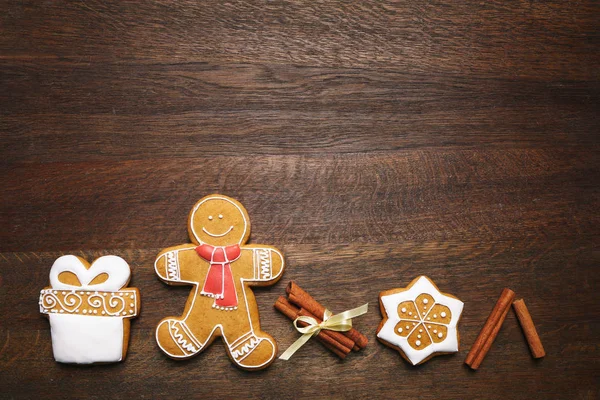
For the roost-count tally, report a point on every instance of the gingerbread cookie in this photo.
(221, 267)
(89, 309)
(419, 321)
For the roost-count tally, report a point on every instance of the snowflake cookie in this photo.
(419, 321)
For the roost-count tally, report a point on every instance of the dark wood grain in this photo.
(371, 141)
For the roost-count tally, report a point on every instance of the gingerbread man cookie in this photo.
(89, 309)
(221, 267)
(419, 321)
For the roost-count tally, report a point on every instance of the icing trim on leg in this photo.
(240, 339)
(244, 346)
(182, 336)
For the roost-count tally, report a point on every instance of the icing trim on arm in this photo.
(262, 264)
(172, 265)
(262, 259)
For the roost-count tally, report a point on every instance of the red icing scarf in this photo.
(219, 280)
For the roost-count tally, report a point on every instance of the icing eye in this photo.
(220, 216)
(210, 217)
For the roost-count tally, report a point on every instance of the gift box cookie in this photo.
(89, 308)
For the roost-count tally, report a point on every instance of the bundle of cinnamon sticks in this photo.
(300, 303)
(492, 326)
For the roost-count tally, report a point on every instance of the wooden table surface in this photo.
(371, 141)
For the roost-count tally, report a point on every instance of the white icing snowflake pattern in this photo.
(421, 320)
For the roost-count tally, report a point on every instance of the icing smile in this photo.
(218, 235)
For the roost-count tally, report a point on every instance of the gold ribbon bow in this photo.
(341, 322)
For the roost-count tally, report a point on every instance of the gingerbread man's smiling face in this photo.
(219, 221)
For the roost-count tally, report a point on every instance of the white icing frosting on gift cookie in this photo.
(420, 320)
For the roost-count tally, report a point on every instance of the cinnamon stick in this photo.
(324, 337)
(299, 297)
(490, 330)
(503, 302)
(533, 339)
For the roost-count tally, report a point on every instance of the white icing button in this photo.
(62, 311)
(55, 292)
(220, 216)
(131, 305)
(124, 313)
(131, 296)
(429, 327)
(443, 315)
(63, 293)
(434, 331)
(414, 324)
(103, 312)
(418, 342)
(407, 327)
(418, 336)
(425, 301)
(420, 330)
(104, 294)
(440, 335)
(434, 315)
(428, 318)
(130, 311)
(409, 313)
(85, 311)
(95, 311)
(403, 309)
(400, 330)
(210, 217)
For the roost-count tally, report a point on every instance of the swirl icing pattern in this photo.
(123, 303)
